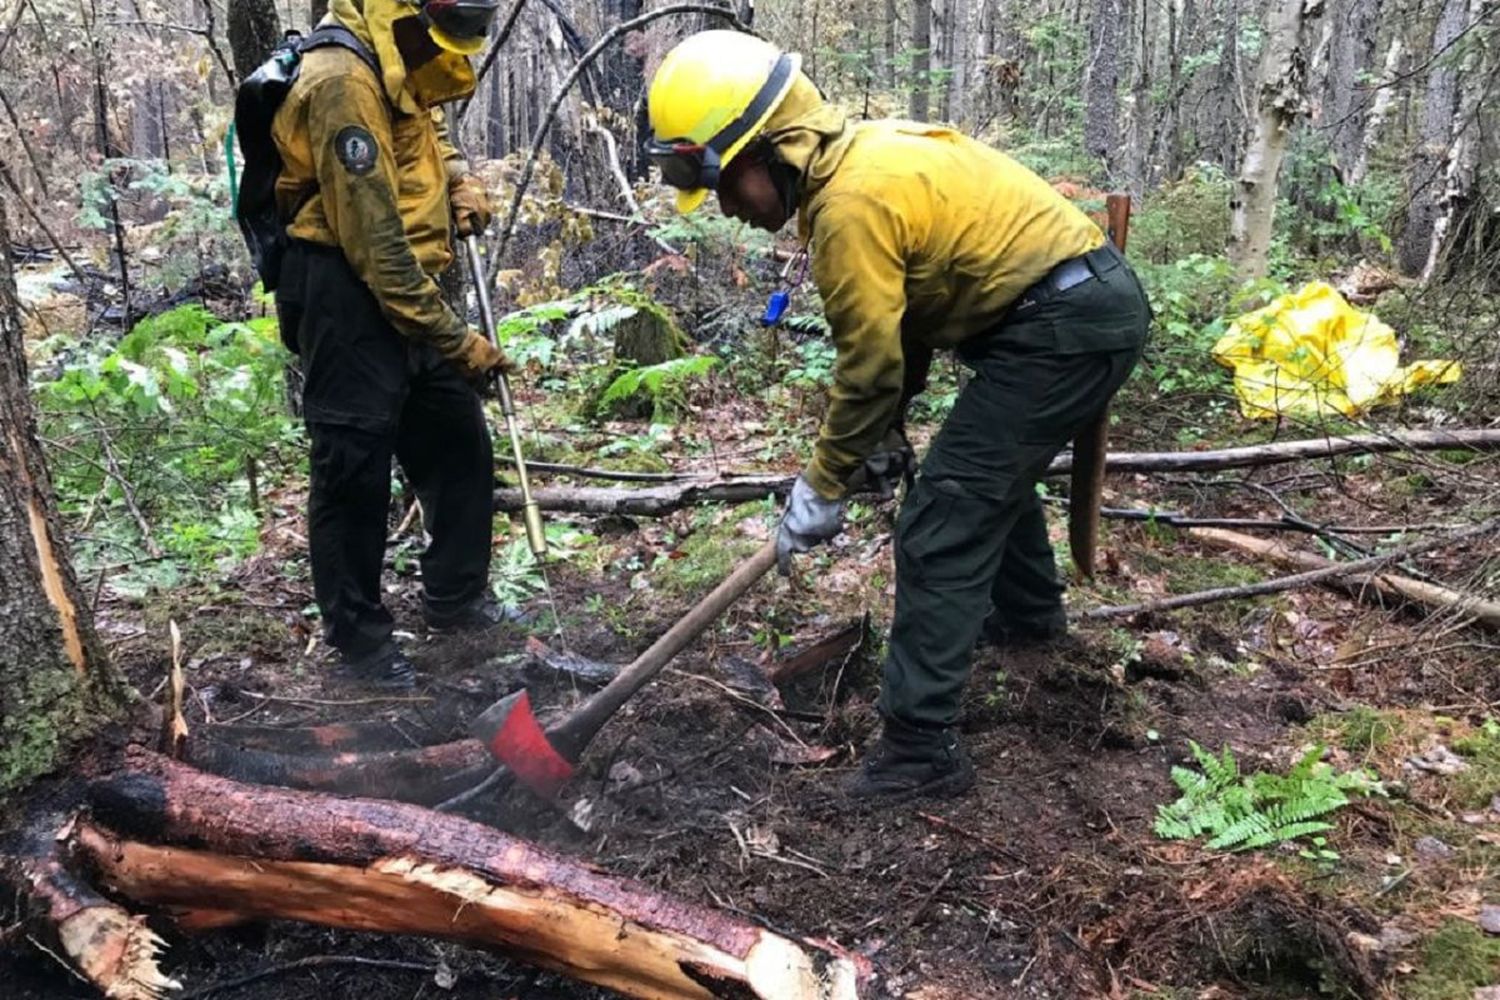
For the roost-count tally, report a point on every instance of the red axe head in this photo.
(510, 730)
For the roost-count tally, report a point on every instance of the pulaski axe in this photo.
(1091, 445)
(543, 760)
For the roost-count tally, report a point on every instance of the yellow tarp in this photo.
(1311, 353)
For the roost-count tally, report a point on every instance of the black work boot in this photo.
(907, 762)
(386, 667)
(478, 615)
(1003, 634)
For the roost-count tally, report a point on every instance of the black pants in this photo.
(372, 394)
(971, 537)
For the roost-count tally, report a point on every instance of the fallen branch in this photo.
(669, 496)
(1375, 586)
(618, 475)
(650, 501)
(1291, 451)
(1331, 572)
(362, 864)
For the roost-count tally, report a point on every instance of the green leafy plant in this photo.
(515, 574)
(814, 366)
(179, 426)
(1241, 812)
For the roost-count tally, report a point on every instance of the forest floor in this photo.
(1046, 880)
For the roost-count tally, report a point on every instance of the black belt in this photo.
(1069, 274)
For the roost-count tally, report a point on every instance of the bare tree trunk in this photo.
(890, 44)
(1429, 160)
(1351, 52)
(1138, 139)
(254, 29)
(1101, 124)
(1380, 109)
(960, 58)
(1281, 101)
(55, 684)
(1229, 116)
(921, 59)
(1463, 153)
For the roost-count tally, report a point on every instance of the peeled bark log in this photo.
(114, 950)
(1376, 587)
(383, 866)
(657, 500)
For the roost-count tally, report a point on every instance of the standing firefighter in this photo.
(920, 238)
(374, 192)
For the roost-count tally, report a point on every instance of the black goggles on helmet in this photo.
(690, 165)
(462, 19)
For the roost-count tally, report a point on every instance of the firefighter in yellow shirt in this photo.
(920, 238)
(372, 194)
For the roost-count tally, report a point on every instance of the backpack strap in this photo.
(325, 35)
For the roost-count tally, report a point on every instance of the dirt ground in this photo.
(1045, 881)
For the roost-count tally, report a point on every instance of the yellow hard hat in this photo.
(712, 95)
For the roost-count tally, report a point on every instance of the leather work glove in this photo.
(810, 520)
(471, 205)
(482, 360)
(890, 465)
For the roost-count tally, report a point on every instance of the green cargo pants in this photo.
(971, 536)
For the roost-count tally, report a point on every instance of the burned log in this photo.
(163, 833)
(424, 776)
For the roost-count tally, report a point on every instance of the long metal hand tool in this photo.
(536, 536)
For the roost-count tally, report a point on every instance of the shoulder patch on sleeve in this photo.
(356, 150)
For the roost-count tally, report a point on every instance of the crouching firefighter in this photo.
(368, 195)
(920, 238)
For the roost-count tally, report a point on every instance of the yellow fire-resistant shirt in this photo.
(915, 231)
(366, 165)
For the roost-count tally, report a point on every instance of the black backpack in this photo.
(255, 106)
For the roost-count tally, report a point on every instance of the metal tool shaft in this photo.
(536, 537)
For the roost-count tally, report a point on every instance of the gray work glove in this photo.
(892, 464)
(809, 521)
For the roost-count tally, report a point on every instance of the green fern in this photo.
(1238, 812)
(661, 382)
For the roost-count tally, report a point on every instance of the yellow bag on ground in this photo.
(1310, 353)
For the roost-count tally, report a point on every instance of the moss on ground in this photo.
(1457, 959)
(709, 554)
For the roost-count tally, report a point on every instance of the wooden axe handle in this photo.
(573, 735)
(1091, 445)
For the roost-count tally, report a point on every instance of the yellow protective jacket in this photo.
(366, 166)
(920, 238)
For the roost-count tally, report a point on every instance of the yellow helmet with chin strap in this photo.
(710, 98)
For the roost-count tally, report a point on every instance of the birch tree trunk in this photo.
(1281, 99)
(1429, 161)
(56, 686)
(1101, 122)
